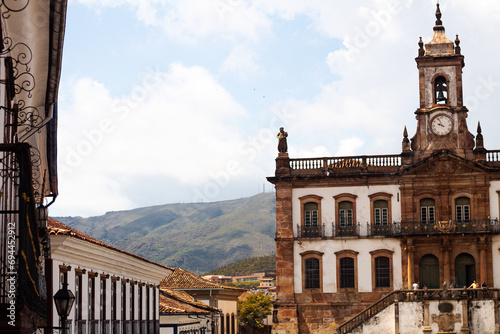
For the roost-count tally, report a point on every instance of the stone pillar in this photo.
(427, 327)
(445, 249)
(482, 246)
(285, 320)
(409, 250)
(465, 318)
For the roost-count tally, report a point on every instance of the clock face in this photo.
(441, 125)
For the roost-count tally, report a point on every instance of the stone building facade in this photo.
(352, 230)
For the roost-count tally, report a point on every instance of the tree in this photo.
(254, 309)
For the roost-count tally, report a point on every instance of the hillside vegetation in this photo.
(246, 266)
(197, 237)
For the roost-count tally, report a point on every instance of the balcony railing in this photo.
(382, 229)
(346, 231)
(311, 232)
(415, 296)
(457, 226)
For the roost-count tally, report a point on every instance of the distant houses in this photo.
(265, 280)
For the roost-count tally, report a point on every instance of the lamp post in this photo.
(64, 300)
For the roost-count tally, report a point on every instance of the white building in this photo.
(353, 234)
(116, 291)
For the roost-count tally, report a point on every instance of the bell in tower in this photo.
(440, 91)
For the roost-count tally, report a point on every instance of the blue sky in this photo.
(165, 101)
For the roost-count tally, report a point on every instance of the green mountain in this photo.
(247, 266)
(197, 237)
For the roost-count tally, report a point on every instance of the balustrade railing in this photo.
(493, 156)
(332, 164)
(418, 295)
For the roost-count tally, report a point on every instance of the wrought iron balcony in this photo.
(345, 231)
(382, 229)
(450, 226)
(311, 232)
(438, 227)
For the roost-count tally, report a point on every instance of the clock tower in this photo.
(441, 116)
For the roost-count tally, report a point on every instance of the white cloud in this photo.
(241, 61)
(171, 124)
(185, 125)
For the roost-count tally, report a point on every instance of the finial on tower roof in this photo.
(438, 16)
(439, 45)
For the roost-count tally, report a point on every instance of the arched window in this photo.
(462, 209)
(382, 272)
(312, 273)
(429, 271)
(347, 278)
(440, 90)
(465, 270)
(345, 214)
(381, 212)
(310, 215)
(310, 226)
(427, 210)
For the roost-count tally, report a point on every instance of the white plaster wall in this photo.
(228, 306)
(384, 322)
(411, 318)
(449, 71)
(494, 201)
(483, 317)
(363, 246)
(328, 204)
(495, 247)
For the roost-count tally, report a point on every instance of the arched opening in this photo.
(465, 270)
(429, 271)
(440, 90)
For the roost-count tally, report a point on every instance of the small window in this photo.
(462, 209)
(382, 272)
(347, 279)
(312, 273)
(345, 214)
(440, 90)
(427, 210)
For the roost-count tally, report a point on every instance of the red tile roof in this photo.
(175, 301)
(182, 279)
(57, 228)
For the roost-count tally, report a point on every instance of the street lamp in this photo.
(64, 300)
